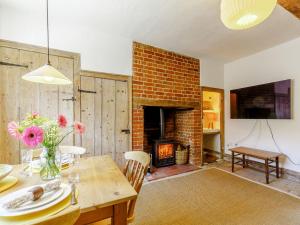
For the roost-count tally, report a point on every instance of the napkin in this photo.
(32, 194)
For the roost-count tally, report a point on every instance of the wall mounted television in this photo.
(266, 101)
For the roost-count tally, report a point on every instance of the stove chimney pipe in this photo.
(162, 123)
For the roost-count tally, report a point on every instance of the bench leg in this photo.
(277, 167)
(232, 162)
(267, 170)
(244, 161)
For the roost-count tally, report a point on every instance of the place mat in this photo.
(37, 216)
(7, 183)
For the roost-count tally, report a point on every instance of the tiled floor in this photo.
(168, 171)
(285, 184)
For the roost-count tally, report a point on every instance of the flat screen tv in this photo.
(266, 101)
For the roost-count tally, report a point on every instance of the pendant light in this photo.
(47, 74)
(243, 14)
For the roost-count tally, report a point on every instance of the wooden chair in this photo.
(135, 170)
(69, 149)
(67, 217)
(137, 163)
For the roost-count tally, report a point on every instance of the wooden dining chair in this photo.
(67, 217)
(137, 163)
(69, 149)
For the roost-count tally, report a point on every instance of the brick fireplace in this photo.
(168, 81)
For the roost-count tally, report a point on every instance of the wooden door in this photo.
(19, 97)
(105, 112)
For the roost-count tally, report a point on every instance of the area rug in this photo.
(214, 197)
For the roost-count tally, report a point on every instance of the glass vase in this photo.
(50, 163)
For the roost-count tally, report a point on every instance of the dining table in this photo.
(103, 190)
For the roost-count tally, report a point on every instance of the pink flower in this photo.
(13, 130)
(32, 136)
(62, 121)
(35, 115)
(79, 127)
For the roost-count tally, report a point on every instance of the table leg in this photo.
(232, 162)
(277, 167)
(119, 214)
(244, 161)
(267, 170)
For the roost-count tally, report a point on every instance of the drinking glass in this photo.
(26, 159)
(74, 176)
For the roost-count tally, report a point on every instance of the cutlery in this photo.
(74, 200)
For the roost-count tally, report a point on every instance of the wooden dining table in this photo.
(103, 190)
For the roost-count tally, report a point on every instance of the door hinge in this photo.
(87, 91)
(12, 64)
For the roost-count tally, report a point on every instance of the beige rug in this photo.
(214, 197)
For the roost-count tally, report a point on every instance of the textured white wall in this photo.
(211, 73)
(99, 51)
(278, 63)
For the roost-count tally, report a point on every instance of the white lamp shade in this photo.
(47, 75)
(243, 14)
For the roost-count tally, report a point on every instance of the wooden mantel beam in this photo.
(293, 6)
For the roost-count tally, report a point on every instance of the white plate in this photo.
(45, 199)
(7, 213)
(5, 170)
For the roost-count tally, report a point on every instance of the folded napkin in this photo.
(32, 194)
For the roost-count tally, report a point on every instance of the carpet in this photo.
(214, 197)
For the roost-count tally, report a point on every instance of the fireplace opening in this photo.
(159, 133)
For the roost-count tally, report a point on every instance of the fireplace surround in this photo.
(170, 81)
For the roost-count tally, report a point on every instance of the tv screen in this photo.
(266, 101)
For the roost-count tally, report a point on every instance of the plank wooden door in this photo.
(105, 111)
(19, 97)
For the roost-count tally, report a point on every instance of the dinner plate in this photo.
(66, 190)
(45, 199)
(5, 170)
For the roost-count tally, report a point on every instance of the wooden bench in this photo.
(268, 157)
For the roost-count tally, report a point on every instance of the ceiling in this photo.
(190, 27)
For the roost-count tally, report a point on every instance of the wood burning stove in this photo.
(163, 152)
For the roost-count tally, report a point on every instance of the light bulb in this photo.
(247, 19)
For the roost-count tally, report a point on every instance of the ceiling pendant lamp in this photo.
(243, 14)
(47, 74)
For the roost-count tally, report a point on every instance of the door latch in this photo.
(70, 99)
(126, 131)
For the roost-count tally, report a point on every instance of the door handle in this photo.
(126, 131)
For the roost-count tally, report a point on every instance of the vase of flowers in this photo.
(36, 131)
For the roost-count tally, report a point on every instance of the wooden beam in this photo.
(137, 102)
(293, 6)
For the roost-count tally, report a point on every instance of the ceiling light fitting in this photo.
(47, 74)
(243, 14)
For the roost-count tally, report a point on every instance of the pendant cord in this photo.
(48, 51)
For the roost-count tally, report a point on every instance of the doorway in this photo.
(213, 124)
(105, 109)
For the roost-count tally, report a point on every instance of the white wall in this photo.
(278, 63)
(211, 73)
(99, 51)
